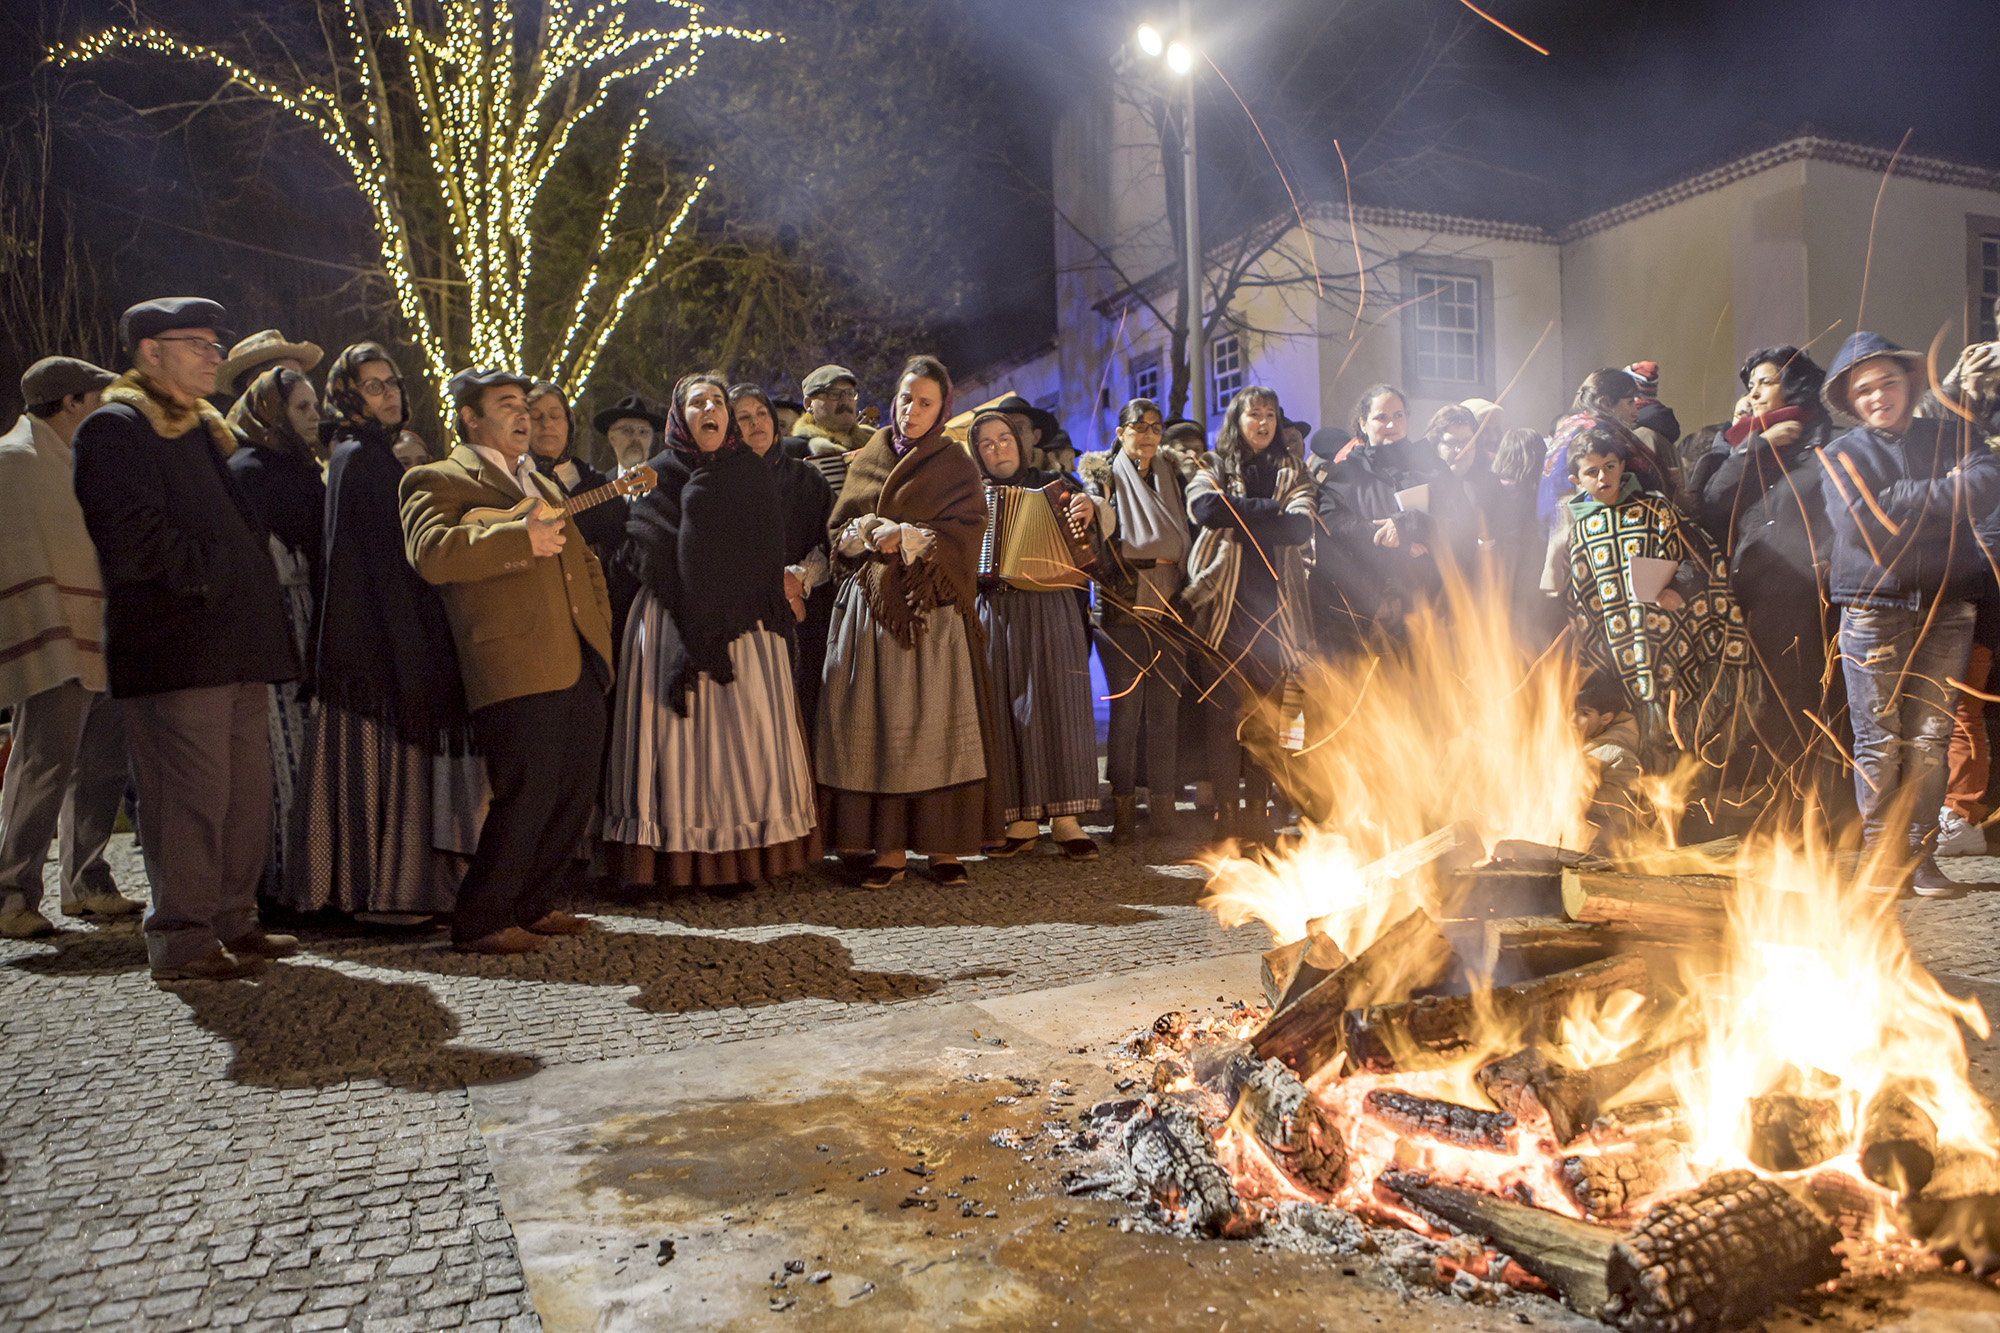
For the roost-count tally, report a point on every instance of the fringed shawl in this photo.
(936, 486)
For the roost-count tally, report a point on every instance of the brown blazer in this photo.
(515, 618)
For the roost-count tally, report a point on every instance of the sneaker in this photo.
(1958, 836)
(217, 965)
(1930, 882)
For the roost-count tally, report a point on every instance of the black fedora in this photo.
(629, 408)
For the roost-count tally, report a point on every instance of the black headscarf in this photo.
(277, 470)
(384, 645)
(710, 540)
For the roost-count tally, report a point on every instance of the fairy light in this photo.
(494, 133)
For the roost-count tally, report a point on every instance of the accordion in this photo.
(1030, 542)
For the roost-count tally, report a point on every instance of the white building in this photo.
(1771, 248)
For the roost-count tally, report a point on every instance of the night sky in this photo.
(1436, 109)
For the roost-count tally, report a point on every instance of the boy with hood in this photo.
(1905, 495)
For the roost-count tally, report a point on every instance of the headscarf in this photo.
(1020, 450)
(680, 437)
(262, 415)
(344, 404)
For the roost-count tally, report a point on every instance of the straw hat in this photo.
(262, 348)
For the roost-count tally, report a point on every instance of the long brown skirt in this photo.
(636, 863)
(951, 821)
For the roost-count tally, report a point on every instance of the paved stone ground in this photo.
(297, 1152)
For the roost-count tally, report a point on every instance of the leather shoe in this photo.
(104, 904)
(261, 945)
(561, 923)
(511, 940)
(1079, 849)
(1010, 847)
(216, 965)
(27, 924)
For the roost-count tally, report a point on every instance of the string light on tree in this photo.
(497, 103)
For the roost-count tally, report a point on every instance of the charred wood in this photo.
(1573, 1098)
(1569, 1255)
(1447, 1122)
(1656, 1117)
(1539, 945)
(1898, 1142)
(1174, 1158)
(1964, 1230)
(1716, 857)
(1613, 1183)
(1407, 957)
(1718, 1256)
(1537, 855)
(1494, 891)
(1433, 1032)
(1793, 1131)
(1317, 1149)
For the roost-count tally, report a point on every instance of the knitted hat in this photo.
(1647, 374)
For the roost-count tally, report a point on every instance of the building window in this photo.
(1225, 355)
(1146, 377)
(1988, 293)
(1448, 331)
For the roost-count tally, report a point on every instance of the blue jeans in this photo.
(1897, 667)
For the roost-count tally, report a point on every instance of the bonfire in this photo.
(1670, 1085)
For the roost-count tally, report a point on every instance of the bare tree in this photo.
(454, 120)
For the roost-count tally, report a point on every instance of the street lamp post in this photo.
(1180, 57)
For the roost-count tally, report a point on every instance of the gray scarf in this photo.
(1152, 525)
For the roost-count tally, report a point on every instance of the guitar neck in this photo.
(585, 499)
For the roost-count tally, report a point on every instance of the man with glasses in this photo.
(194, 631)
(832, 427)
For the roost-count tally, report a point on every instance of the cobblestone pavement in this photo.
(297, 1152)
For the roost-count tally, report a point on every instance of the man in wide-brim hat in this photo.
(632, 427)
(263, 350)
(1912, 501)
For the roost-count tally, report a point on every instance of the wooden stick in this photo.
(1451, 848)
(1406, 957)
(1570, 1256)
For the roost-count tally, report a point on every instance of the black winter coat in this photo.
(807, 503)
(1364, 481)
(285, 491)
(1764, 507)
(191, 596)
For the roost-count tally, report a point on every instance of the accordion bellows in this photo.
(1030, 542)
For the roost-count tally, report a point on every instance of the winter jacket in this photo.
(192, 597)
(1244, 507)
(1364, 480)
(1902, 523)
(1765, 507)
(51, 596)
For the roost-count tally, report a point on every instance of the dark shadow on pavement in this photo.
(298, 1026)
(674, 973)
(1037, 887)
(87, 953)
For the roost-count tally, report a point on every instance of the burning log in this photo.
(1539, 945)
(1318, 1153)
(1676, 905)
(1491, 892)
(1711, 1258)
(1718, 1256)
(1290, 970)
(1898, 1142)
(1572, 1097)
(1406, 957)
(1437, 1031)
(1611, 1184)
(1717, 857)
(1450, 848)
(1174, 1158)
(1447, 1122)
(1791, 1130)
(1963, 1230)
(1569, 1255)
(1538, 855)
(1655, 1117)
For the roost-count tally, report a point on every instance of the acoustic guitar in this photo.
(638, 481)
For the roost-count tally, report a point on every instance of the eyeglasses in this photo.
(376, 388)
(201, 345)
(1146, 428)
(838, 395)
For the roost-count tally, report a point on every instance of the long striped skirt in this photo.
(1044, 753)
(723, 795)
(289, 721)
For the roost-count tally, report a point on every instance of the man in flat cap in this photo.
(266, 349)
(832, 428)
(67, 770)
(528, 611)
(194, 633)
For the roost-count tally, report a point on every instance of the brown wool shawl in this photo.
(934, 486)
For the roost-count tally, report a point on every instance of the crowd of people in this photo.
(340, 674)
